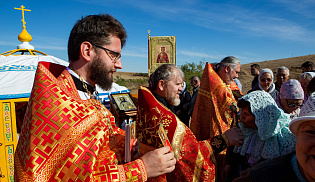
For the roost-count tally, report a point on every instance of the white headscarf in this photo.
(272, 137)
(272, 85)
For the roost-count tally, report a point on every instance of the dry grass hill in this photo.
(294, 64)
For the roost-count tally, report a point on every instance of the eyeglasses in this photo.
(114, 56)
(266, 79)
(293, 105)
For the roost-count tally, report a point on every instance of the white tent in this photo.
(17, 74)
(17, 77)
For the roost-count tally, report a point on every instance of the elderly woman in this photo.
(291, 97)
(293, 167)
(266, 133)
(305, 79)
(266, 84)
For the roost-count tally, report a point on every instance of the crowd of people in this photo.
(216, 134)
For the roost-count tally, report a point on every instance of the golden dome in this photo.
(25, 36)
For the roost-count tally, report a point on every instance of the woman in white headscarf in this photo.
(266, 84)
(296, 166)
(266, 133)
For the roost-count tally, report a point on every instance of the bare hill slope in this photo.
(294, 65)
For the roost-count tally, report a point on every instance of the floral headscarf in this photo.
(273, 137)
(291, 89)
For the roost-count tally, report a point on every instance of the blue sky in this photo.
(205, 30)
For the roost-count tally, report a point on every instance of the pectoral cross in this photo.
(22, 8)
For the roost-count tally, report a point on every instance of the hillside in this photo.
(294, 65)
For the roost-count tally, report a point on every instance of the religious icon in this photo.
(162, 56)
(162, 50)
(164, 137)
(132, 134)
(124, 101)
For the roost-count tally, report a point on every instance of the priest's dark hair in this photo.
(96, 29)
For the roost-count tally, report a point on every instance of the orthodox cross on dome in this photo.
(22, 9)
(24, 36)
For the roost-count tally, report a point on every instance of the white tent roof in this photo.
(17, 76)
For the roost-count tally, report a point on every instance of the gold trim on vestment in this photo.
(199, 162)
(178, 138)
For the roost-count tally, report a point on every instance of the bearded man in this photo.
(155, 107)
(67, 135)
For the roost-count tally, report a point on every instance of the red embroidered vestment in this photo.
(194, 159)
(64, 138)
(212, 114)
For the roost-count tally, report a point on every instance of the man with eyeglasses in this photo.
(67, 134)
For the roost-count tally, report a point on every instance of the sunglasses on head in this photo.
(266, 79)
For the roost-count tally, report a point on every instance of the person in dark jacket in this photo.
(254, 70)
(180, 111)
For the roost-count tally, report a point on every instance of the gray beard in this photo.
(173, 101)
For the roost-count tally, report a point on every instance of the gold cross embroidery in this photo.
(216, 143)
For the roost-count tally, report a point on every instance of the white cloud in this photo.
(140, 51)
(51, 47)
(194, 54)
(302, 7)
(135, 55)
(5, 43)
(234, 18)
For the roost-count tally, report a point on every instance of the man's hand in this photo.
(159, 161)
(235, 136)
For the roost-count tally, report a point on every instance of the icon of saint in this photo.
(162, 57)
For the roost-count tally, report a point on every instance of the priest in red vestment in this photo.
(218, 92)
(67, 134)
(195, 159)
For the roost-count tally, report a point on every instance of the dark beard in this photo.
(99, 74)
